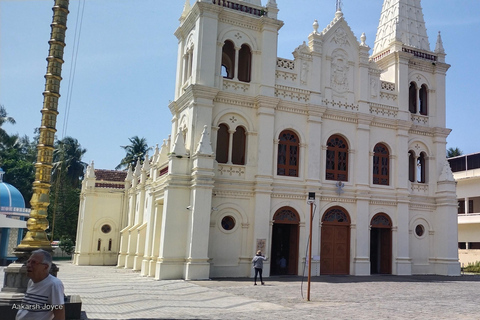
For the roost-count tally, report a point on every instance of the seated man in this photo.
(44, 299)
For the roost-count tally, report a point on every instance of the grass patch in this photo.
(472, 267)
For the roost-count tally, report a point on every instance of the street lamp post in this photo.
(311, 201)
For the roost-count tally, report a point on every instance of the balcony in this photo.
(468, 218)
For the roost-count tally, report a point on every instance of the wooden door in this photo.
(335, 250)
(385, 251)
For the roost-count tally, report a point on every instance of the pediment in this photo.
(340, 36)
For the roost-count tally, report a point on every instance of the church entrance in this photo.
(381, 244)
(285, 232)
(335, 242)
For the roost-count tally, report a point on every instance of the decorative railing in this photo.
(235, 85)
(285, 64)
(292, 93)
(419, 119)
(419, 187)
(240, 7)
(388, 86)
(231, 171)
(381, 55)
(384, 110)
(419, 54)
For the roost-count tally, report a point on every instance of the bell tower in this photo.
(225, 50)
(417, 75)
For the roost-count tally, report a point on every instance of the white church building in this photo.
(253, 134)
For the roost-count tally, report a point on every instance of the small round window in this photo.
(419, 230)
(228, 223)
(106, 228)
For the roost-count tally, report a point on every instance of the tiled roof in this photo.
(109, 176)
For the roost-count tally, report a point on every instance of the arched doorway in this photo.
(335, 245)
(285, 232)
(381, 244)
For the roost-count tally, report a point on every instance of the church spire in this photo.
(401, 20)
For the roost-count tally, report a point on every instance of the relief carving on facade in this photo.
(340, 37)
(373, 87)
(304, 73)
(339, 77)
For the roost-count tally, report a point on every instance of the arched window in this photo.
(187, 64)
(228, 60)
(411, 166)
(110, 244)
(423, 97)
(412, 98)
(238, 150)
(222, 144)
(99, 244)
(288, 149)
(337, 159)
(381, 160)
(421, 169)
(244, 63)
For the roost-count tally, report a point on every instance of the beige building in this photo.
(254, 133)
(466, 170)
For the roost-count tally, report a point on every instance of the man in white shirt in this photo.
(44, 299)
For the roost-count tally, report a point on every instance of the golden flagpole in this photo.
(36, 237)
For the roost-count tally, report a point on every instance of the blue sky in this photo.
(125, 67)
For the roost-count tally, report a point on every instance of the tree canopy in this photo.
(454, 152)
(135, 151)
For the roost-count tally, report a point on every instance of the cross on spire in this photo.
(339, 5)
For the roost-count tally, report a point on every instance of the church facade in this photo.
(253, 134)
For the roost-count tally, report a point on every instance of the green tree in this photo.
(136, 151)
(4, 118)
(454, 152)
(17, 158)
(67, 158)
(67, 174)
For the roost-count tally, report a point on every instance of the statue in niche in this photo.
(373, 87)
(304, 73)
(339, 79)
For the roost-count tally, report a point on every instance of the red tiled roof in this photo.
(109, 176)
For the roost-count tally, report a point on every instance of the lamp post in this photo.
(311, 201)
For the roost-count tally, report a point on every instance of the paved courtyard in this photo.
(111, 293)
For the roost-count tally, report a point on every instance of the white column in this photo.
(230, 145)
(235, 72)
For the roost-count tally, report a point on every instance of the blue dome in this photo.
(9, 195)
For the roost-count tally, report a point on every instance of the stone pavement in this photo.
(111, 293)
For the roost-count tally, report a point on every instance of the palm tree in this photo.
(4, 118)
(136, 151)
(454, 152)
(67, 157)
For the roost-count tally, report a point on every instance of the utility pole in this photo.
(311, 201)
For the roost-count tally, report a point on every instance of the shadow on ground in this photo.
(347, 279)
